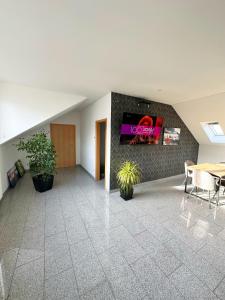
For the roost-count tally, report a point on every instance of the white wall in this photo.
(23, 108)
(85, 138)
(1, 187)
(207, 109)
(9, 154)
(98, 110)
(211, 153)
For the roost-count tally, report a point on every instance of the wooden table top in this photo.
(215, 169)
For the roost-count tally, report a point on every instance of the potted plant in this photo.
(128, 175)
(41, 155)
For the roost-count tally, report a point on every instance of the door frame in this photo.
(75, 137)
(98, 147)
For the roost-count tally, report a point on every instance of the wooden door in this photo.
(64, 140)
(97, 151)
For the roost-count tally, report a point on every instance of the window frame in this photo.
(215, 136)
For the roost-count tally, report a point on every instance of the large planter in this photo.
(127, 194)
(43, 183)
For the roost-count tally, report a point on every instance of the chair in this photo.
(188, 174)
(208, 182)
(222, 183)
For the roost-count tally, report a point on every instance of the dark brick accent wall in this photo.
(156, 161)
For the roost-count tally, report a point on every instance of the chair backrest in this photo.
(187, 163)
(203, 180)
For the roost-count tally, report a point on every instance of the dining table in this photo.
(215, 169)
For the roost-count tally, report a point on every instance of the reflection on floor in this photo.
(78, 242)
(212, 196)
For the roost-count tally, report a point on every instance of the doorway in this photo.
(64, 139)
(101, 127)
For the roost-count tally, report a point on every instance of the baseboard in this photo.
(160, 180)
(87, 171)
(8, 188)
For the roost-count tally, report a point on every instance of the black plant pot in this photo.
(127, 194)
(43, 183)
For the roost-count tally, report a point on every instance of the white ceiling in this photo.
(207, 109)
(165, 50)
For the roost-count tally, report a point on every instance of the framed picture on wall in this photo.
(13, 176)
(140, 129)
(171, 136)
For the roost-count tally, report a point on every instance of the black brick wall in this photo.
(156, 161)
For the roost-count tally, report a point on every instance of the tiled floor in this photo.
(78, 242)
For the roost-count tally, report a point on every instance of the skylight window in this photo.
(214, 132)
(216, 128)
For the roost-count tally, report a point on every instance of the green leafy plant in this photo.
(128, 175)
(40, 153)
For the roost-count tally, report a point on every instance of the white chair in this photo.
(205, 181)
(222, 181)
(188, 173)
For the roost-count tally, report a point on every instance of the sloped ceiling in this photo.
(207, 109)
(23, 108)
(168, 51)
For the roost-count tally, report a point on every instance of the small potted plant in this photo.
(128, 175)
(41, 155)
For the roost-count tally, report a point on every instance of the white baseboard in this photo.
(160, 180)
